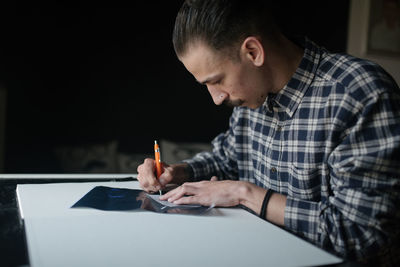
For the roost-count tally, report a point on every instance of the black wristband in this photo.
(268, 195)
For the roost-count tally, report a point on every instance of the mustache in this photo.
(233, 103)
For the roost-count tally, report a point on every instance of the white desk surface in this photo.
(55, 176)
(60, 236)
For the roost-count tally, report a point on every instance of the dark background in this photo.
(92, 74)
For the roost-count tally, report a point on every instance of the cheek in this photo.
(234, 88)
(238, 84)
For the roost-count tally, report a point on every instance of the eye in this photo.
(217, 81)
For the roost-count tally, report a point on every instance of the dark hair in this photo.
(221, 23)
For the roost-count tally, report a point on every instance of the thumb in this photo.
(164, 165)
(214, 178)
(166, 176)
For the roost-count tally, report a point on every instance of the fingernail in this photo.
(162, 181)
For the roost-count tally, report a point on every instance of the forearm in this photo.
(314, 221)
(182, 173)
(221, 162)
(208, 164)
(252, 197)
(343, 228)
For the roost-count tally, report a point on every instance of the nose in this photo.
(217, 95)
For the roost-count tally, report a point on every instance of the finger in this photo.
(214, 178)
(187, 200)
(166, 177)
(185, 189)
(170, 194)
(150, 183)
(146, 176)
(164, 165)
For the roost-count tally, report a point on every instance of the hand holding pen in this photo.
(154, 175)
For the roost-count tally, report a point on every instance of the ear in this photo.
(253, 50)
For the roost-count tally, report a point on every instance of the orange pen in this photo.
(157, 157)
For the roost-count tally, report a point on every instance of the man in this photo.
(313, 143)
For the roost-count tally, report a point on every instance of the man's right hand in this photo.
(171, 174)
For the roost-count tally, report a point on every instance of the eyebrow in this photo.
(209, 79)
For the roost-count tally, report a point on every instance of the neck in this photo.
(283, 59)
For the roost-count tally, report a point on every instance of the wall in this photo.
(357, 41)
(3, 97)
(96, 73)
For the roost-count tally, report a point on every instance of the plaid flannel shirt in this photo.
(330, 142)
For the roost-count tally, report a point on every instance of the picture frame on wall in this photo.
(374, 33)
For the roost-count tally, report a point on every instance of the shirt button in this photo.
(273, 169)
(279, 128)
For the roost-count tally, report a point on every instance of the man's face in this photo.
(234, 82)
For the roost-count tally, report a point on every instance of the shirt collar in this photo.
(292, 93)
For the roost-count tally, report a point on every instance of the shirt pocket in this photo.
(305, 183)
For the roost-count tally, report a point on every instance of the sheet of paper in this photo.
(169, 204)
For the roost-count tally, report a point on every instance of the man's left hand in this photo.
(207, 193)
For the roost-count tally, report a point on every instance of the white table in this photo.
(60, 236)
(58, 176)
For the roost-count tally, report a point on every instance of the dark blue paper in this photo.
(122, 199)
(107, 198)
